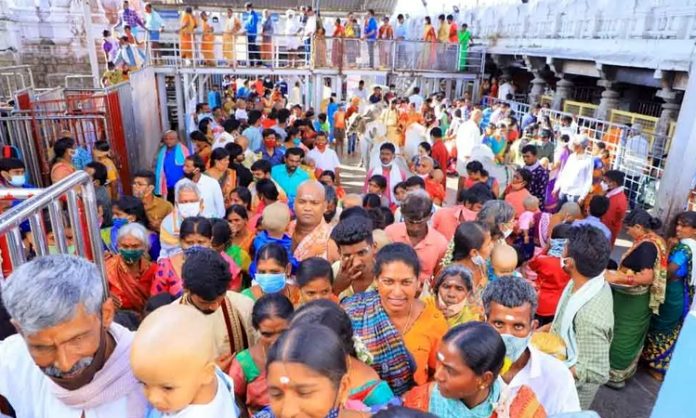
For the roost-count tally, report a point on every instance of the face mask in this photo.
(270, 283)
(297, 141)
(187, 210)
(515, 346)
(270, 144)
(506, 233)
(131, 256)
(478, 260)
(388, 165)
(604, 186)
(190, 175)
(53, 249)
(17, 181)
(119, 222)
(202, 116)
(192, 250)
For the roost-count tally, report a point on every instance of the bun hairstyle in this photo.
(643, 218)
(480, 347)
(329, 314)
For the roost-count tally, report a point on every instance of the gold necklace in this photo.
(408, 320)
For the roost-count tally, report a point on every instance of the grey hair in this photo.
(186, 185)
(417, 204)
(496, 212)
(134, 230)
(454, 270)
(511, 292)
(48, 290)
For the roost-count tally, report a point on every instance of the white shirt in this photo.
(241, 114)
(505, 89)
(213, 202)
(417, 100)
(295, 96)
(29, 390)
(327, 160)
(222, 405)
(361, 94)
(310, 26)
(468, 136)
(223, 139)
(576, 177)
(636, 155)
(551, 381)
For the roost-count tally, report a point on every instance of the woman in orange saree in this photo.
(429, 54)
(188, 25)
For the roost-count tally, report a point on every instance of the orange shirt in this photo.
(435, 190)
(446, 220)
(340, 119)
(430, 249)
(453, 37)
(422, 341)
(516, 200)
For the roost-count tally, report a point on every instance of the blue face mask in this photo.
(515, 346)
(270, 283)
(119, 222)
(297, 141)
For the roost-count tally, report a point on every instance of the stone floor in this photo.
(636, 400)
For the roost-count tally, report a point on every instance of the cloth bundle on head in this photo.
(276, 217)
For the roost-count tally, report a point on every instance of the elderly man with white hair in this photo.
(634, 160)
(188, 202)
(69, 359)
(574, 181)
(310, 232)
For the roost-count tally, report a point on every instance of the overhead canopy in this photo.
(327, 6)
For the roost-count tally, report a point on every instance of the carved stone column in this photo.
(564, 90)
(535, 66)
(610, 97)
(669, 114)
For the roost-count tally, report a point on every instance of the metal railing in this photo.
(281, 51)
(13, 79)
(42, 206)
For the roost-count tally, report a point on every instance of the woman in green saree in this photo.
(638, 287)
(681, 274)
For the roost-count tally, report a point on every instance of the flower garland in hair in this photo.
(362, 352)
(447, 258)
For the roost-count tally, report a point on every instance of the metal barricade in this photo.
(43, 208)
(13, 79)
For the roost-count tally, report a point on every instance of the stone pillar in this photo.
(564, 90)
(669, 114)
(538, 87)
(609, 99)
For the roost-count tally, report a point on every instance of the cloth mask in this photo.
(130, 256)
(270, 283)
(119, 222)
(187, 210)
(478, 260)
(604, 186)
(17, 181)
(506, 233)
(297, 141)
(515, 346)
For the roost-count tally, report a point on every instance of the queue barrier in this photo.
(40, 209)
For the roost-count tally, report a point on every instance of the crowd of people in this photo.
(300, 37)
(244, 280)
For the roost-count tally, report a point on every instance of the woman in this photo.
(127, 210)
(638, 287)
(220, 242)
(229, 38)
(270, 318)
(62, 166)
(220, 171)
(366, 391)
(424, 150)
(470, 359)
(315, 279)
(499, 216)
(320, 46)
(293, 366)
(195, 232)
(186, 28)
(517, 192)
(207, 40)
(681, 274)
(266, 38)
(453, 296)
(337, 43)
(129, 272)
(271, 270)
(242, 196)
(237, 216)
(429, 55)
(399, 330)
(497, 142)
(471, 248)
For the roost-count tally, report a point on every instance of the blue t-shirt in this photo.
(371, 26)
(251, 22)
(214, 99)
(172, 172)
(253, 134)
(289, 182)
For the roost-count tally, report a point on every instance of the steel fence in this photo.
(13, 79)
(44, 210)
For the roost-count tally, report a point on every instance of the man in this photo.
(370, 34)
(618, 203)
(506, 91)
(281, 125)
(270, 150)
(230, 133)
(453, 29)
(211, 194)
(468, 136)
(251, 23)
(169, 164)
(129, 55)
(545, 148)
(110, 46)
(129, 17)
(324, 157)
(154, 25)
(416, 99)
(392, 173)
(599, 205)
(585, 314)
(439, 153)
(206, 277)
(400, 34)
(635, 161)
(308, 33)
(354, 271)
(376, 95)
(469, 202)
(188, 203)
(288, 176)
(540, 176)
(12, 173)
(310, 232)
(530, 118)
(69, 358)
(574, 182)
(156, 208)
(510, 304)
(253, 132)
(247, 156)
(260, 170)
(333, 212)
(429, 244)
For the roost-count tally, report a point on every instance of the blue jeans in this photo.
(308, 50)
(352, 140)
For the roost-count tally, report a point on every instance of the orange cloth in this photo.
(446, 220)
(340, 119)
(208, 43)
(435, 190)
(130, 292)
(61, 170)
(430, 249)
(516, 199)
(188, 25)
(314, 244)
(422, 341)
(453, 36)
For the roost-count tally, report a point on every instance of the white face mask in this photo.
(506, 233)
(478, 260)
(604, 186)
(187, 210)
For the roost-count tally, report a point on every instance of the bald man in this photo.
(172, 355)
(352, 200)
(310, 232)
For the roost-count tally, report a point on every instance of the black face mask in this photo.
(328, 216)
(190, 175)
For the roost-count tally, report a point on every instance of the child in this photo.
(98, 172)
(180, 335)
(378, 185)
(503, 262)
(101, 153)
(399, 193)
(274, 224)
(526, 221)
(315, 278)
(328, 178)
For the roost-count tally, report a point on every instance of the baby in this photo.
(526, 221)
(504, 261)
(173, 357)
(274, 224)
